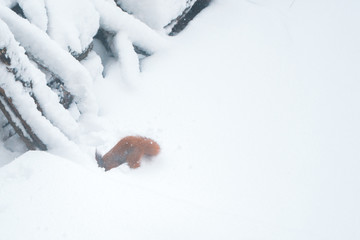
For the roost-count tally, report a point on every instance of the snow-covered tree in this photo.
(51, 52)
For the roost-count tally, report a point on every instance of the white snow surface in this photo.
(256, 109)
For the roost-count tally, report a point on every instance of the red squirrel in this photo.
(129, 149)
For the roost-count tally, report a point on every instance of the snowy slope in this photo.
(256, 108)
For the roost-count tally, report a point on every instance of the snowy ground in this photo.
(256, 108)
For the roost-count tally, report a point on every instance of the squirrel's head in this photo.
(99, 159)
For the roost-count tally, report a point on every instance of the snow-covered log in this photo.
(49, 54)
(35, 12)
(34, 82)
(26, 99)
(20, 126)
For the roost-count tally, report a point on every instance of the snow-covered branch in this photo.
(25, 94)
(115, 20)
(49, 54)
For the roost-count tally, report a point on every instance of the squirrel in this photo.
(130, 149)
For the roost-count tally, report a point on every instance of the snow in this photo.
(35, 12)
(22, 100)
(114, 20)
(255, 107)
(72, 24)
(34, 77)
(42, 48)
(8, 3)
(128, 59)
(155, 13)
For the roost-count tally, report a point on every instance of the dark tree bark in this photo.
(188, 15)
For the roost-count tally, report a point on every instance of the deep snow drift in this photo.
(256, 108)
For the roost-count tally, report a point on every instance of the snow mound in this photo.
(53, 198)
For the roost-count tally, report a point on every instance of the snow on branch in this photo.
(24, 93)
(38, 129)
(113, 19)
(72, 24)
(35, 12)
(129, 62)
(49, 54)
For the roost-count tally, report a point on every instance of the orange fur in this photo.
(129, 149)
